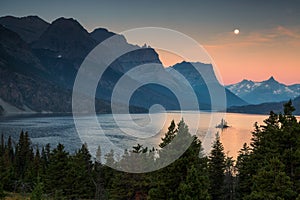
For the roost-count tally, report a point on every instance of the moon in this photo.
(236, 31)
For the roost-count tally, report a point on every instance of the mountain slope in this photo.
(20, 85)
(265, 91)
(62, 48)
(16, 55)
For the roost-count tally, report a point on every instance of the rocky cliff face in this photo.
(31, 94)
(20, 82)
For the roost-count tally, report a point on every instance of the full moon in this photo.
(236, 31)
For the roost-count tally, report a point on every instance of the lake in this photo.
(123, 131)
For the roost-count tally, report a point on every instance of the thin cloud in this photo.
(277, 35)
(292, 33)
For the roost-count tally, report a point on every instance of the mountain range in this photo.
(39, 62)
(266, 91)
(265, 96)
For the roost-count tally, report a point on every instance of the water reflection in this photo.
(61, 129)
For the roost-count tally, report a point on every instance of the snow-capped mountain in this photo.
(266, 91)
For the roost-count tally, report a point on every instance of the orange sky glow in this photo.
(255, 56)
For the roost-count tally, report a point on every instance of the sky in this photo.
(268, 43)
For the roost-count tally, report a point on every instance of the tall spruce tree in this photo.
(98, 177)
(196, 185)
(24, 155)
(169, 136)
(79, 175)
(173, 180)
(244, 170)
(216, 169)
(58, 167)
(271, 182)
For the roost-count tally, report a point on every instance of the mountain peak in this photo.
(246, 81)
(271, 79)
(100, 34)
(65, 19)
(67, 22)
(30, 28)
(68, 38)
(27, 18)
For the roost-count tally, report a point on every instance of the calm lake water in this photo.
(122, 131)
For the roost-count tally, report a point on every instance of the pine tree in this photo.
(10, 151)
(245, 169)
(24, 155)
(2, 193)
(173, 180)
(2, 145)
(109, 172)
(55, 178)
(196, 185)
(7, 172)
(169, 136)
(216, 168)
(79, 175)
(230, 179)
(131, 185)
(271, 182)
(44, 160)
(98, 177)
(38, 191)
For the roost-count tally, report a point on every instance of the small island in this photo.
(223, 124)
